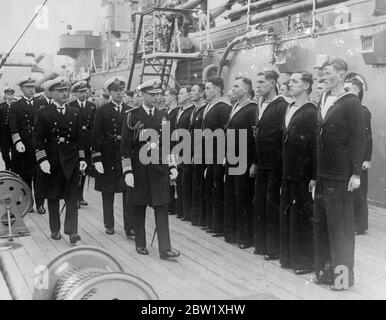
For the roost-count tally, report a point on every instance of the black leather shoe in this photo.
(269, 257)
(258, 252)
(110, 232)
(205, 228)
(41, 210)
(56, 236)
(244, 246)
(209, 231)
(142, 251)
(31, 210)
(300, 272)
(322, 280)
(74, 238)
(130, 233)
(218, 234)
(83, 203)
(185, 219)
(360, 232)
(171, 254)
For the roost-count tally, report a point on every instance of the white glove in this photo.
(366, 165)
(252, 171)
(129, 179)
(173, 174)
(99, 167)
(354, 183)
(20, 147)
(45, 167)
(205, 173)
(82, 166)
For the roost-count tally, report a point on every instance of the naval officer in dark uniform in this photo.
(21, 123)
(106, 147)
(5, 135)
(148, 182)
(61, 159)
(87, 113)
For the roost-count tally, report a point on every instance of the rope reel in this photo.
(88, 273)
(15, 201)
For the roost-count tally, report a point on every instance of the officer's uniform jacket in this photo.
(57, 138)
(151, 181)
(21, 124)
(5, 134)
(87, 121)
(106, 147)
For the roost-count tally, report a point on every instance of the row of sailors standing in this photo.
(304, 194)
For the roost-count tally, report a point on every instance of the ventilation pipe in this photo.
(272, 15)
(207, 70)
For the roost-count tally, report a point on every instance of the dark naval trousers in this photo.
(334, 228)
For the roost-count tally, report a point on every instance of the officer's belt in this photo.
(60, 140)
(114, 137)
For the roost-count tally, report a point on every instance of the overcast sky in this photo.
(16, 14)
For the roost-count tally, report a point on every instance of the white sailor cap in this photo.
(115, 82)
(27, 81)
(57, 84)
(79, 86)
(151, 86)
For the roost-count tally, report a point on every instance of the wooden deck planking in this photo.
(208, 268)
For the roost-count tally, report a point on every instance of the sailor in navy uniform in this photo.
(198, 202)
(269, 143)
(61, 159)
(184, 184)
(87, 113)
(148, 182)
(171, 103)
(216, 115)
(361, 209)
(106, 154)
(340, 152)
(5, 135)
(21, 123)
(239, 186)
(299, 142)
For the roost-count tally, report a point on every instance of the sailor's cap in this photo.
(27, 81)
(9, 89)
(151, 86)
(45, 85)
(57, 84)
(115, 82)
(79, 86)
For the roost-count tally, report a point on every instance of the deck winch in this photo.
(88, 273)
(15, 201)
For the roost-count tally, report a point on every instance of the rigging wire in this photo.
(4, 60)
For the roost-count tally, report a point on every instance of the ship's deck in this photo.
(208, 268)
